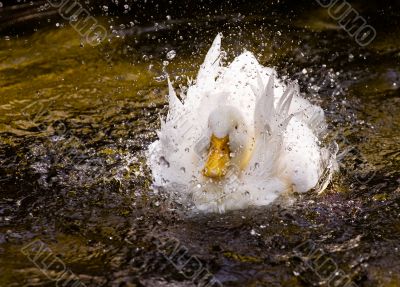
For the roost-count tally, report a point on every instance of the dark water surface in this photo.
(75, 121)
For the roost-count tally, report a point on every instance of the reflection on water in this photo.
(75, 121)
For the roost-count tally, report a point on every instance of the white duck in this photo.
(240, 138)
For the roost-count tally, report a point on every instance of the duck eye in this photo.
(236, 127)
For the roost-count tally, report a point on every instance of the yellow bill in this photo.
(218, 158)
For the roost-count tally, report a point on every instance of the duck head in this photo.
(230, 142)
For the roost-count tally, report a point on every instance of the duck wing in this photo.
(173, 158)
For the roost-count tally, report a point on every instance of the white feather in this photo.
(281, 127)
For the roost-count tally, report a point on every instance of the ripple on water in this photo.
(75, 122)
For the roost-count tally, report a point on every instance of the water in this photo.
(75, 121)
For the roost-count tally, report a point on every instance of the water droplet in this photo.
(160, 78)
(171, 54)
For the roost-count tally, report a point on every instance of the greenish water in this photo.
(75, 121)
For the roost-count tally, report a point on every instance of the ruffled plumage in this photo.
(284, 128)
